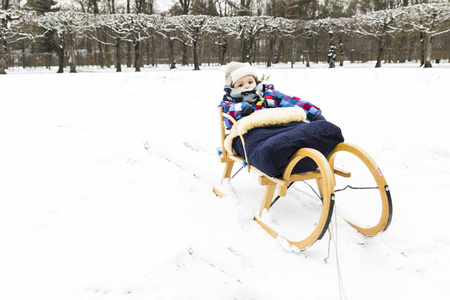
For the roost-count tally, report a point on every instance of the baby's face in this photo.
(247, 82)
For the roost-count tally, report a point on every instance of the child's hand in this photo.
(247, 110)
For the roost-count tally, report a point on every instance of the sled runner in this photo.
(324, 175)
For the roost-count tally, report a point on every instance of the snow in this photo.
(106, 188)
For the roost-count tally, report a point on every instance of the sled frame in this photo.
(324, 176)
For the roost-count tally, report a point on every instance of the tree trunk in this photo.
(95, 4)
(224, 52)
(101, 55)
(5, 5)
(24, 57)
(196, 58)
(223, 47)
(72, 56)
(409, 47)
(112, 7)
(244, 53)
(100, 50)
(270, 51)
(119, 55)
(380, 53)
(154, 61)
(315, 52)
(250, 50)
(388, 51)
(3, 48)
(141, 55)
(331, 51)
(307, 59)
(137, 56)
(401, 48)
(422, 50)
(147, 52)
(3, 65)
(293, 48)
(185, 60)
(308, 49)
(195, 49)
(427, 50)
(332, 57)
(278, 51)
(109, 61)
(171, 55)
(61, 58)
(89, 52)
(129, 59)
(341, 51)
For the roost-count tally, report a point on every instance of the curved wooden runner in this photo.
(386, 202)
(325, 182)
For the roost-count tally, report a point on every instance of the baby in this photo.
(244, 94)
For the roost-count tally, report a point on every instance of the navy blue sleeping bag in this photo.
(270, 148)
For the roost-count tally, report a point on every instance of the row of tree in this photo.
(289, 9)
(67, 28)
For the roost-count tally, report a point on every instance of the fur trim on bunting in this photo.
(262, 118)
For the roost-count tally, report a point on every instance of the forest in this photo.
(42, 33)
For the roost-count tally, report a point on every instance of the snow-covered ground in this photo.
(106, 188)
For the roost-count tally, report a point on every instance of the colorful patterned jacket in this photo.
(239, 103)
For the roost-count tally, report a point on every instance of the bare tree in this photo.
(152, 24)
(116, 32)
(192, 28)
(378, 25)
(310, 31)
(5, 19)
(137, 25)
(221, 30)
(342, 29)
(185, 6)
(278, 28)
(67, 27)
(429, 20)
(190, 32)
(336, 28)
(250, 29)
(329, 26)
(15, 26)
(167, 29)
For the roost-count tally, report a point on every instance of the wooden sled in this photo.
(325, 179)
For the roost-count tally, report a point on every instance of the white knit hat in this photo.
(236, 70)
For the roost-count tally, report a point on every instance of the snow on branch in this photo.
(426, 18)
(16, 25)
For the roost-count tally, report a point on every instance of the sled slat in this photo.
(342, 173)
(305, 176)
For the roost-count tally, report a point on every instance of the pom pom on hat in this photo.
(236, 70)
